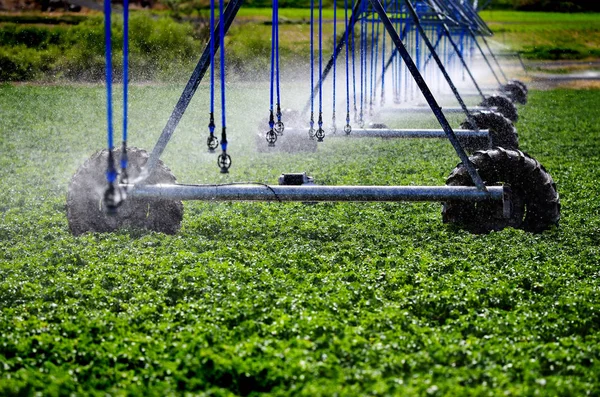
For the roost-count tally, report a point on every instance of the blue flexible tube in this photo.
(362, 55)
(125, 65)
(312, 61)
(222, 52)
(383, 60)
(320, 61)
(334, 44)
(125, 79)
(374, 86)
(354, 72)
(347, 71)
(272, 62)
(111, 173)
(212, 61)
(365, 74)
(276, 22)
(372, 59)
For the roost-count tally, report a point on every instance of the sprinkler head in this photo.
(224, 162)
(320, 134)
(271, 138)
(113, 198)
(212, 142)
(279, 128)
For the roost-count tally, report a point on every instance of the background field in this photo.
(350, 298)
(69, 47)
(545, 35)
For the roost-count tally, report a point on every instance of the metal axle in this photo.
(313, 193)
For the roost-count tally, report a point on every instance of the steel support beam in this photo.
(436, 109)
(411, 133)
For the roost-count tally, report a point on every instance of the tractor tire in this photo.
(515, 92)
(504, 106)
(85, 206)
(520, 84)
(535, 201)
(502, 131)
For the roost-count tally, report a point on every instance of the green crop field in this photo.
(538, 35)
(547, 35)
(291, 299)
(38, 47)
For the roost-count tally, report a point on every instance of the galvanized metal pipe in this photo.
(428, 110)
(314, 193)
(402, 133)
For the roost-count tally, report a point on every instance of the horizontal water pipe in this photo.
(313, 193)
(401, 133)
(426, 109)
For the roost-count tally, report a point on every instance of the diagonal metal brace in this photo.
(190, 89)
(435, 107)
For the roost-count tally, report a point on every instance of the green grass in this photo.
(546, 35)
(355, 299)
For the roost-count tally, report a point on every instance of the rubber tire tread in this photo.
(502, 131)
(520, 84)
(504, 106)
(536, 200)
(86, 190)
(515, 92)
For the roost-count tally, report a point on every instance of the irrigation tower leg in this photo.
(437, 110)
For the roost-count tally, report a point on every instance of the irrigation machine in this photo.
(402, 47)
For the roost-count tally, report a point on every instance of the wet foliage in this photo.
(159, 47)
(355, 299)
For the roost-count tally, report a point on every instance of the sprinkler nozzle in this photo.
(113, 198)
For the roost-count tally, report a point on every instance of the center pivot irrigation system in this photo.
(496, 187)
